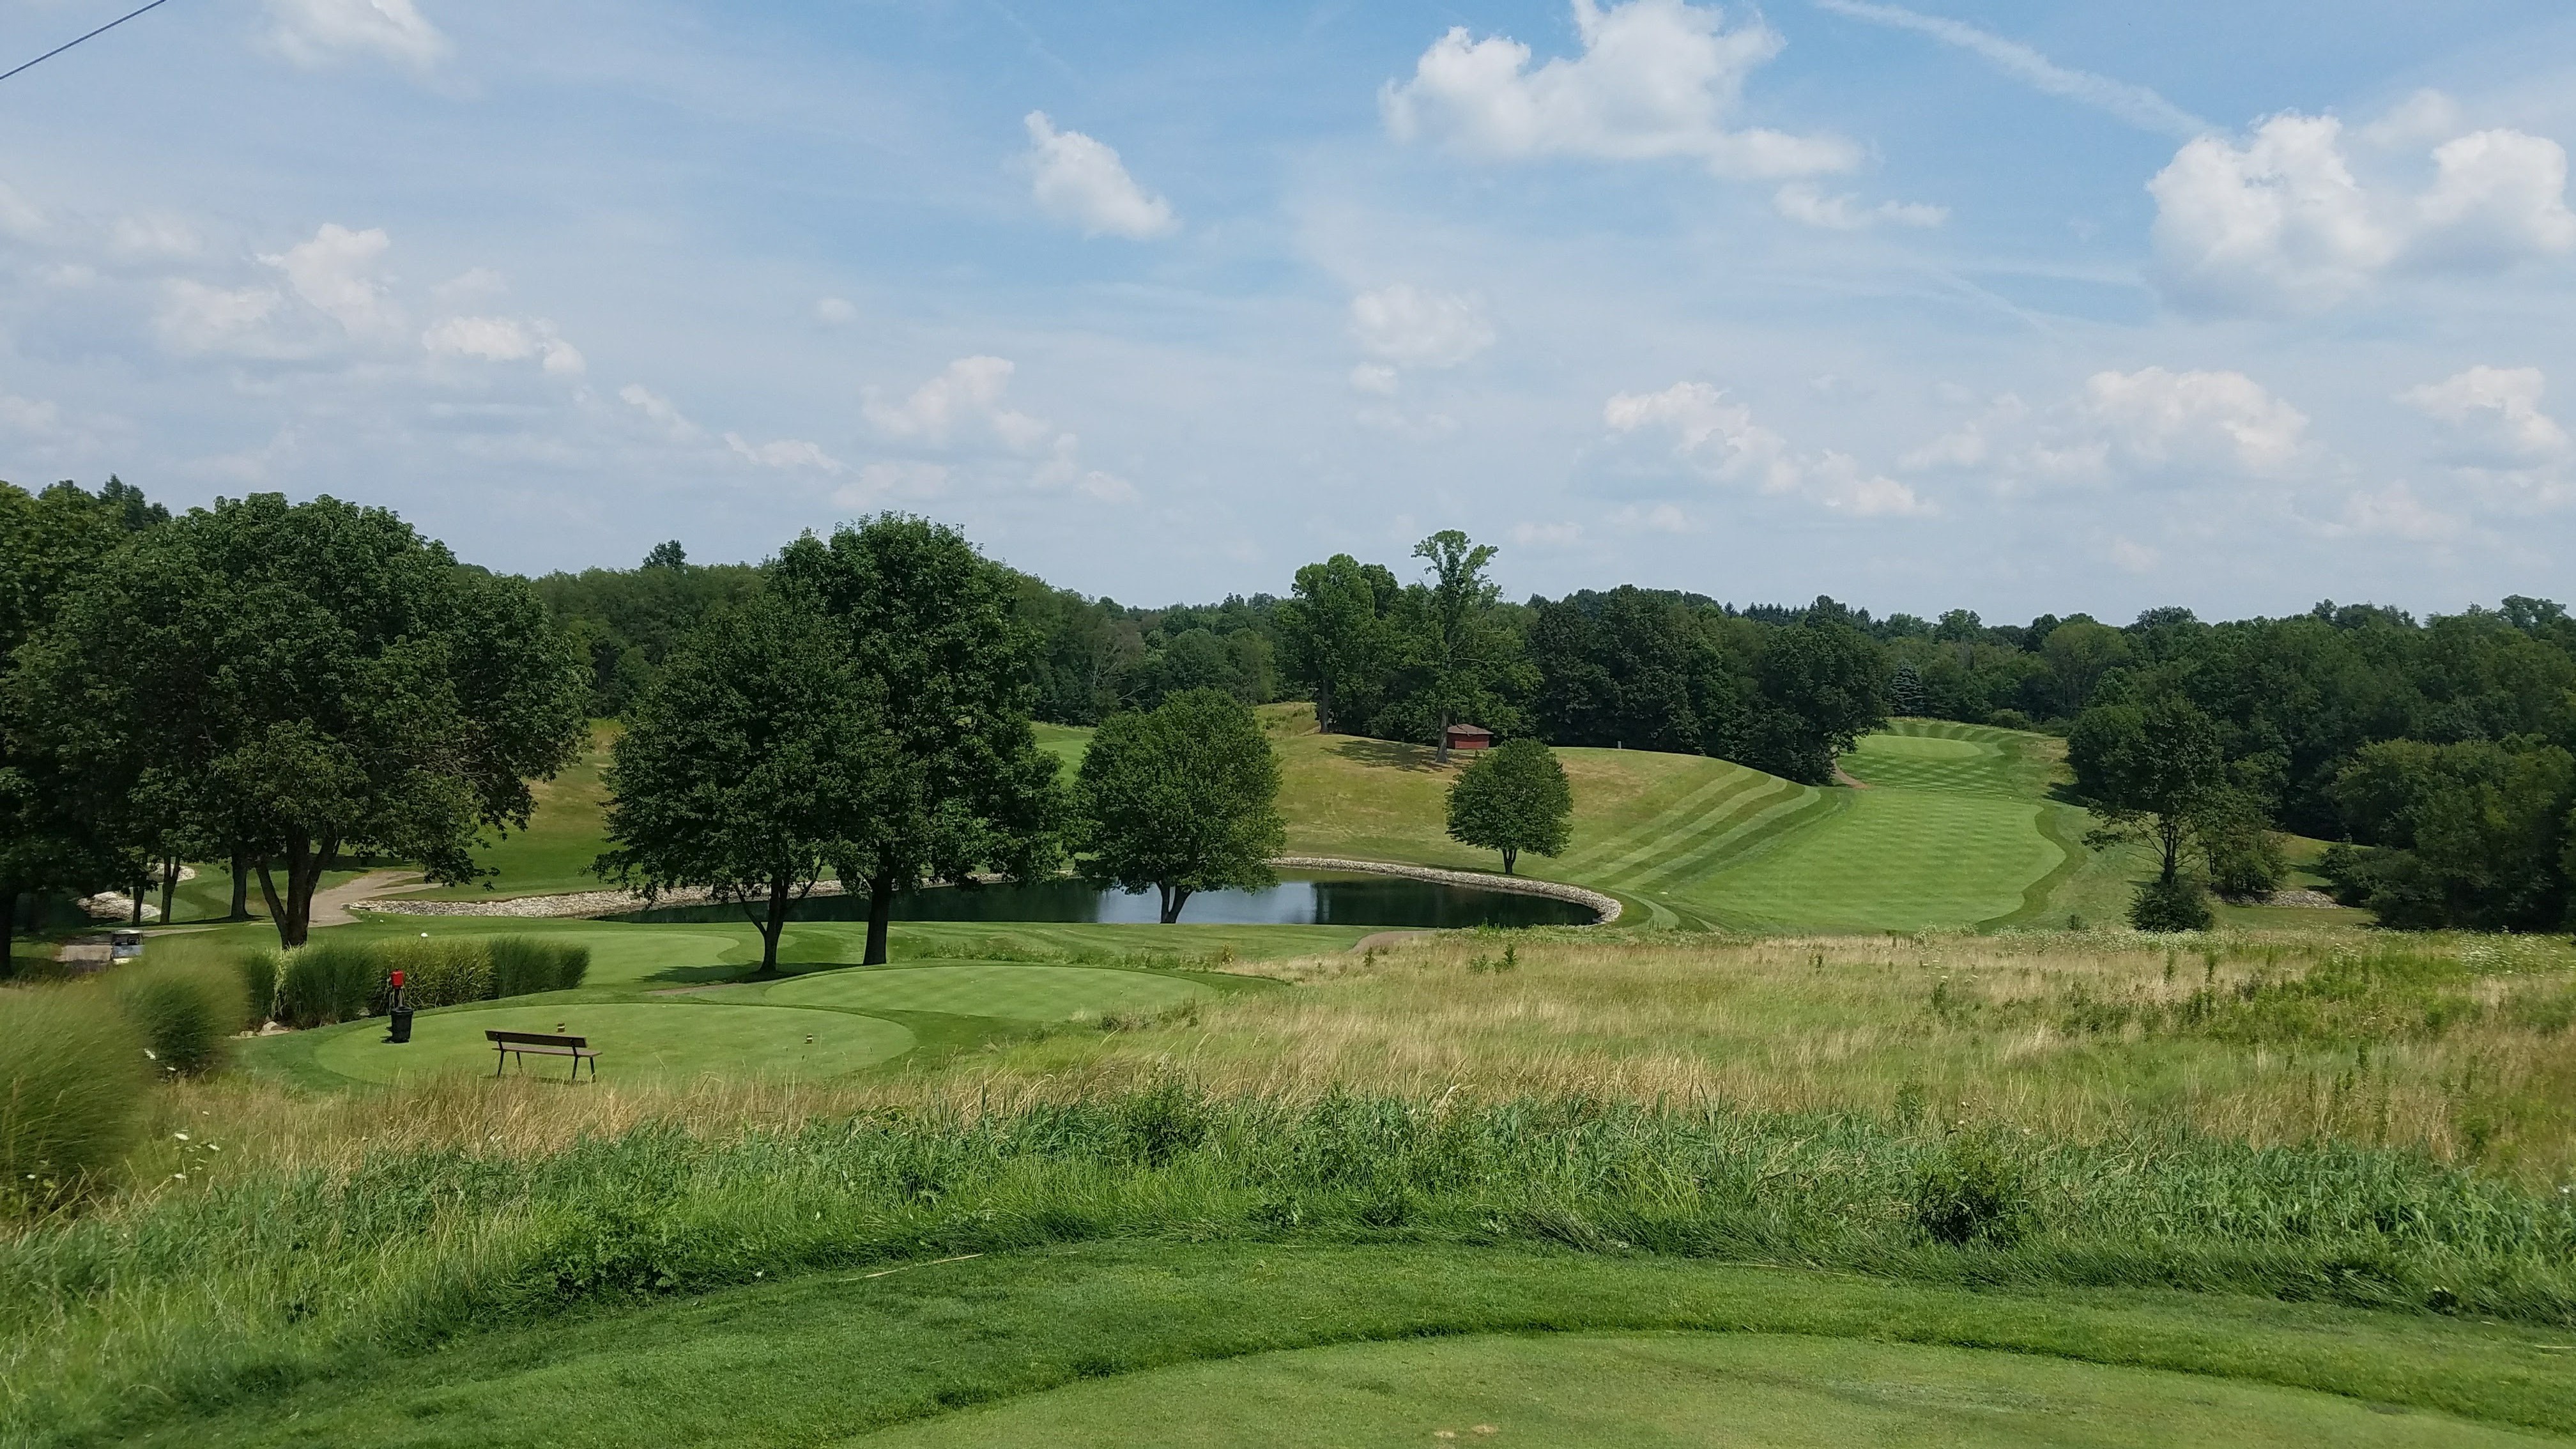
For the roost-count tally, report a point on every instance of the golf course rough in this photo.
(997, 989)
(1756, 1391)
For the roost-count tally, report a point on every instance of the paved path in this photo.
(331, 907)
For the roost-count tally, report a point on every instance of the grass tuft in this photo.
(72, 1083)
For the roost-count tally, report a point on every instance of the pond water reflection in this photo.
(1303, 900)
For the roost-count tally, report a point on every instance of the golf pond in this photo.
(1297, 900)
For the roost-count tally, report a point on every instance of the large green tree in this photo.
(2478, 835)
(1514, 798)
(1179, 799)
(965, 788)
(1463, 664)
(2156, 772)
(1341, 639)
(59, 830)
(305, 682)
(1819, 695)
(749, 767)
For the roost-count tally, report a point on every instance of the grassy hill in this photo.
(1942, 825)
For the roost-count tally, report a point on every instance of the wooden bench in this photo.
(507, 1044)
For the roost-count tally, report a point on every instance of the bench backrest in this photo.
(536, 1038)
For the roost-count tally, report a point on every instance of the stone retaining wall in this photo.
(1604, 907)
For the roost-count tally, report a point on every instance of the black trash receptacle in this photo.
(400, 1016)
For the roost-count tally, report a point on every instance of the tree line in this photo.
(291, 686)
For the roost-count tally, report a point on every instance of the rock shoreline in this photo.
(1606, 908)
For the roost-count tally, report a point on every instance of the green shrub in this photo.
(1971, 1193)
(2180, 904)
(2246, 864)
(72, 1079)
(258, 971)
(523, 965)
(186, 1011)
(327, 981)
(437, 972)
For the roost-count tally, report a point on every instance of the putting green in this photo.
(990, 988)
(1918, 747)
(1678, 1389)
(661, 1040)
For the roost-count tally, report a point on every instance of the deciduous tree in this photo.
(750, 767)
(1514, 798)
(1178, 800)
(964, 787)
(310, 681)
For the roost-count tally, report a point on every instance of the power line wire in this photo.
(68, 44)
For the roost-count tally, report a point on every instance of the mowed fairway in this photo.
(1949, 827)
(1758, 1391)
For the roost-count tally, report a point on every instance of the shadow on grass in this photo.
(1386, 754)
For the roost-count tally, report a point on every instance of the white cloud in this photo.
(1657, 79)
(967, 393)
(1377, 378)
(1719, 438)
(660, 411)
(330, 273)
(789, 454)
(27, 415)
(1547, 535)
(2153, 417)
(835, 312)
(1799, 201)
(19, 216)
(880, 483)
(2493, 415)
(474, 284)
(2133, 426)
(2134, 104)
(2395, 512)
(1079, 180)
(2132, 557)
(318, 33)
(195, 317)
(1413, 328)
(503, 339)
(151, 236)
(1662, 518)
(2292, 219)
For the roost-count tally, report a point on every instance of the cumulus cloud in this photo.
(660, 411)
(318, 33)
(1799, 201)
(331, 273)
(503, 339)
(2144, 425)
(2295, 218)
(1413, 328)
(1657, 79)
(1080, 180)
(2493, 415)
(1719, 438)
(195, 317)
(19, 216)
(965, 396)
(151, 236)
(964, 404)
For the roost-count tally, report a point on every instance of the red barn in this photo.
(1468, 737)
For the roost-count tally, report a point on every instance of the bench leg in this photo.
(500, 1056)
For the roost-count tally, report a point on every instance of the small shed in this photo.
(1468, 737)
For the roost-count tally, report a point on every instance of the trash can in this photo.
(400, 1017)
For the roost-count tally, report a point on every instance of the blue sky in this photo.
(2009, 307)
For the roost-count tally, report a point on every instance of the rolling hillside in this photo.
(1940, 825)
